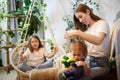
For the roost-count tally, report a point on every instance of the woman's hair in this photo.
(79, 46)
(29, 42)
(83, 8)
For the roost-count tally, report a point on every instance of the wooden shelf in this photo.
(14, 16)
(7, 46)
(10, 30)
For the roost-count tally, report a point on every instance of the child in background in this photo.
(36, 55)
(79, 53)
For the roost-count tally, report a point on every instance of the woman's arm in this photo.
(88, 37)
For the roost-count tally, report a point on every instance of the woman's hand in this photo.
(71, 33)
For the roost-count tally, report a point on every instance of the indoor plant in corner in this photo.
(33, 11)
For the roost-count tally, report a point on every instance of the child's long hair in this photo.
(29, 42)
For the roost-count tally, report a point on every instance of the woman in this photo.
(95, 32)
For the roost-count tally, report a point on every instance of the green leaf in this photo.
(41, 18)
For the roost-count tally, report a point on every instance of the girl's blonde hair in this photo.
(80, 46)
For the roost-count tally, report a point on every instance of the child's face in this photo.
(77, 55)
(34, 43)
(77, 51)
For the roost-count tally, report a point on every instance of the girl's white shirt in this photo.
(36, 58)
(102, 49)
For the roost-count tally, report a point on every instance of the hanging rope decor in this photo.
(26, 25)
(27, 21)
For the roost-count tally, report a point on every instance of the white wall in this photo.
(109, 9)
(55, 12)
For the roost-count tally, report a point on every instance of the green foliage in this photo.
(70, 23)
(1, 15)
(50, 44)
(34, 26)
(27, 3)
(33, 12)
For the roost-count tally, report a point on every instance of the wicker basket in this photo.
(14, 59)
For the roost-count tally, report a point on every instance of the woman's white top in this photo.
(102, 49)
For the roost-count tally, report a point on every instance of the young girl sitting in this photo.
(36, 55)
(78, 69)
